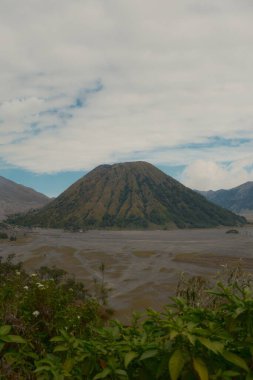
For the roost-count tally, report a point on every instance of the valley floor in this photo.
(141, 267)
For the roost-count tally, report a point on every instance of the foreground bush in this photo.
(53, 330)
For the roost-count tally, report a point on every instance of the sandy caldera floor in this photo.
(141, 267)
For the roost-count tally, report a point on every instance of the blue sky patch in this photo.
(216, 141)
(48, 184)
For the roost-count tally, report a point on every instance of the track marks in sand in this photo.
(213, 260)
(62, 257)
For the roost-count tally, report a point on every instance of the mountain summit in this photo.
(129, 195)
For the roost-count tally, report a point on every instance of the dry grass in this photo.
(144, 254)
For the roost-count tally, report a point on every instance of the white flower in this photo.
(33, 275)
(36, 313)
(26, 287)
(78, 317)
(40, 286)
(17, 273)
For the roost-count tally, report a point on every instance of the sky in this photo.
(86, 82)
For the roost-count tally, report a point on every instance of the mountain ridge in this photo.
(15, 198)
(129, 195)
(237, 199)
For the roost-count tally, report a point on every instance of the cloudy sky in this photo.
(85, 82)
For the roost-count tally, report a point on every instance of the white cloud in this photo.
(173, 73)
(208, 175)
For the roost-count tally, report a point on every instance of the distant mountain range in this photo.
(239, 199)
(129, 195)
(17, 198)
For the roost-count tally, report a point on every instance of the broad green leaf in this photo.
(13, 339)
(200, 331)
(173, 334)
(129, 357)
(32, 355)
(176, 364)
(57, 339)
(191, 338)
(121, 372)
(64, 334)
(1, 346)
(11, 358)
(61, 347)
(42, 368)
(249, 376)
(4, 330)
(230, 373)
(115, 332)
(68, 365)
(102, 374)
(236, 360)
(212, 345)
(50, 360)
(200, 368)
(148, 354)
(144, 338)
(239, 311)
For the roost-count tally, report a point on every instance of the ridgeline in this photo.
(129, 195)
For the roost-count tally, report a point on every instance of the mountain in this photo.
(129, 195)
(17, 198)
(239, 199)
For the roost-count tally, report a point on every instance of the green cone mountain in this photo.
(129, 195)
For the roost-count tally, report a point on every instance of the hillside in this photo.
(129, 195)
(17, 198)
(239, 199)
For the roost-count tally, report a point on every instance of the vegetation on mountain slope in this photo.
(51, 329)
(129, 195)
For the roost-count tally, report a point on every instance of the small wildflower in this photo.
(40, 286)
(18, 273)
(36, 313)
(26, 287)
(78, 317)
(70, 289)
(33, 275)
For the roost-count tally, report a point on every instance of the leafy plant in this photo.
(51, 328)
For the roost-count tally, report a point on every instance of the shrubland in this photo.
(52, 328)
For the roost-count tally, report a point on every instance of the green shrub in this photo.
(52, 329)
